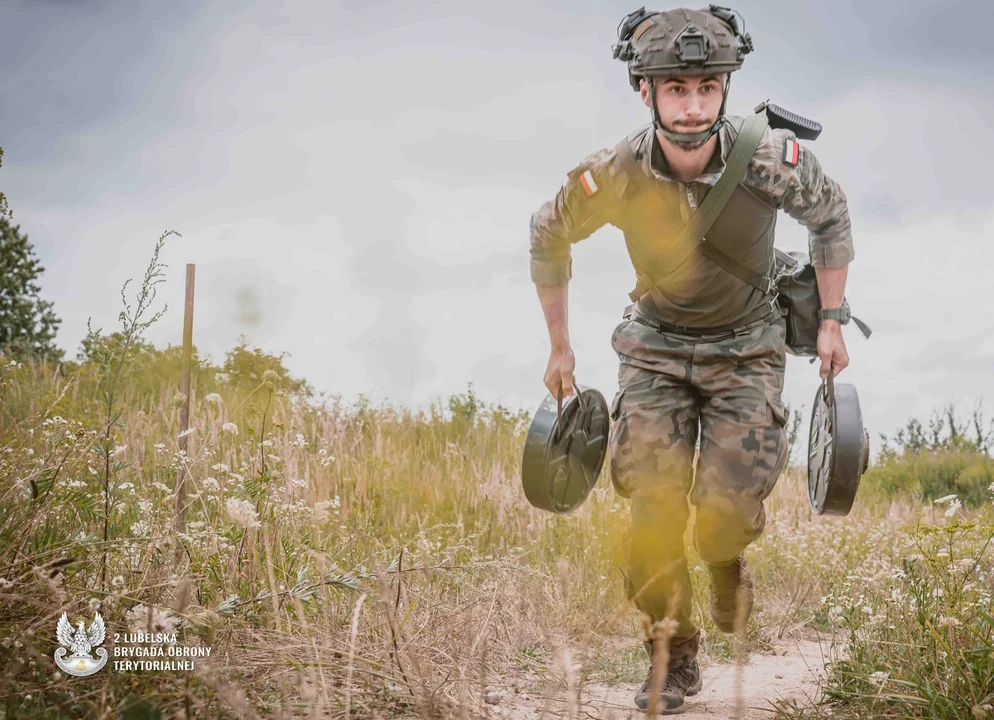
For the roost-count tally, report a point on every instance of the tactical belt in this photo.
(763, 314)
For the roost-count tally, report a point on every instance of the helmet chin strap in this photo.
(687, 141)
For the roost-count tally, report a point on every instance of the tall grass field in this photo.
(350, 561)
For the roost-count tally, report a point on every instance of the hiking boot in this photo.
(725, 582)
(680, 682)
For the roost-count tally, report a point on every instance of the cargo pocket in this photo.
(773, 451)
(618, 446)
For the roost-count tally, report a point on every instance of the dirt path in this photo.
(794, 675)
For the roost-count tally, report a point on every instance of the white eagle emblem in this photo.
(80, 642)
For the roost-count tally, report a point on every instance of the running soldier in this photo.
(702, 355)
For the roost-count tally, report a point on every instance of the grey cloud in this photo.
(75, 66)
(293, 111)
(468, 154)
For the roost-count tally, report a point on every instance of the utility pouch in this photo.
(799, 303)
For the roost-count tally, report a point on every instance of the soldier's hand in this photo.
(831, 348)
(559, 372)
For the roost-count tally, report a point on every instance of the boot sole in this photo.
(691, 691)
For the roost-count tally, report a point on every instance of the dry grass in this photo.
(381, 562)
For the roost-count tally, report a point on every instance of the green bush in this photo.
(933, 475)
(948, 457)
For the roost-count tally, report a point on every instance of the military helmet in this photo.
(681, 42)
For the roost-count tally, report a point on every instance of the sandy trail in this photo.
(794, 675)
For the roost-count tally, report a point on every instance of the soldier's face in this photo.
(687, 104)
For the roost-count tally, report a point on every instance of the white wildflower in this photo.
(953, 507)
(945, 499)
(213, 399)
(300, 482)
(242, 513)
(140, 529)
(125, 486)
(76, 483)
(266, 443)
(991, 487)
(185, 433)
(93, 604)
(117, 580)
(300, 441)
(118, 450)
(159, 447)
(140, 618)
(321, 510)
(879, 677)
(145, 506)
(220, 467)
(949, 622)
(211, 483)
(230, 428)
(325, 459)
(5, 583)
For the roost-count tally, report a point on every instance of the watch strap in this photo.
(840, 313)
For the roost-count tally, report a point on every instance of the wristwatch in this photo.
(840, 313)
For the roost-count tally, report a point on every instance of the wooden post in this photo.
(184, 413)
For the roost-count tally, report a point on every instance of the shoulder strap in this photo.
(742, 152)
(710, 208)
(763, 283)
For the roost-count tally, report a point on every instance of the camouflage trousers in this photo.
(675, 391)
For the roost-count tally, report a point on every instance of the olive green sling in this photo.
(791, 281)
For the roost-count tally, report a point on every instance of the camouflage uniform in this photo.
(701, 358)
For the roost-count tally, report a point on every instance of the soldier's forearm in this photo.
(554, 299)
(831, 286)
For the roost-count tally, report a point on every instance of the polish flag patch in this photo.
(589, 186)
(791, 151)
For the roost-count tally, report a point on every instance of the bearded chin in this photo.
(688, 147)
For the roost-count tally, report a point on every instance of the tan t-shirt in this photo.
(698, 293)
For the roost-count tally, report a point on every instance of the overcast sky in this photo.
(354, 180)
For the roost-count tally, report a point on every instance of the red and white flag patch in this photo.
(587, 181)
(791, 152)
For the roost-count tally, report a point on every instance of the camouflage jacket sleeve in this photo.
(816, 201)
(588, 200)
